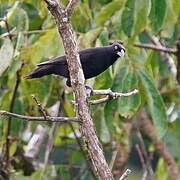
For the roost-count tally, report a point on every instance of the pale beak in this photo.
(121, 53)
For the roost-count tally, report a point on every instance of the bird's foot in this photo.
(89, 91)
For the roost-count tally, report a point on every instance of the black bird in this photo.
(94, 61)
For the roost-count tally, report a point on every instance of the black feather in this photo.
(94, 61)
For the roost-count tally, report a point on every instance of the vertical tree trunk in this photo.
(61, 15)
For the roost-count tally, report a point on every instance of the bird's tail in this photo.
(40, 71)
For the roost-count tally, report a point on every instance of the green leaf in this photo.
(104, 1)
(172, 137)
(170, 19)
(141, 15)
(49, 44)
(128, 106)
(161, 172)
(104, 37)
(108, 11)
(82, 17)
(111, 108)
(103, 80)
(124, 81)
(6, 55)
(86, 40)
(128, 17)
(33, 14)
(155, 103)
(104, 131)
(152, 64)
(19, 19)
(176, 6)
(157, 14)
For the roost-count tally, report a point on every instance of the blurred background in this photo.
(139, 132)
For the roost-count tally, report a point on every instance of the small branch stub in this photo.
(125, 174)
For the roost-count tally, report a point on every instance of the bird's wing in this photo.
(57, 61)
(84, 56)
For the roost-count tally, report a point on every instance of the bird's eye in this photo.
(115, 47)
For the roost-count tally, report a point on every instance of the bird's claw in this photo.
(89, 91)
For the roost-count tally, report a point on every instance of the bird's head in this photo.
(118, 49)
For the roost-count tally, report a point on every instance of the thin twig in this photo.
(24, 33)
(140, 154)
(7, 27)
(70, 7)
(41, 118)
(142, 160)
(114, 94)
(39, 106)
(110, 95)
(178, 61)
(99, 101)
(11, 108)
(52, 135)
(154, 46)
(144, 152)
(125, 174)
(165, 56)
(157, 48)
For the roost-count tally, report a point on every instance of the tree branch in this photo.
(114, 94)
(149, 130)
(165, 56)
(156, 48)
(70, 7)
(51, 3)
(41, 118)
(88, 132)
(11, 108)
(178, 61)
(125, 174)
(110, 95)
(39, 106)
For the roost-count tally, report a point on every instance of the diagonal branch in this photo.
(110, 95)
(51, 3)
(70, 7)
(178, 61)
(147, 127)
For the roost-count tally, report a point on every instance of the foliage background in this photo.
(96, 22)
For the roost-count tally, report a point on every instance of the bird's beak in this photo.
(121, 53)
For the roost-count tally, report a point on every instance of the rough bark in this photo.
(178, 61)
(77, 81)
